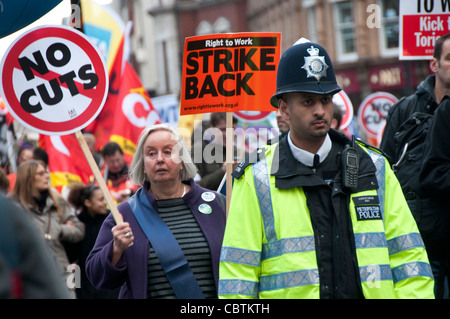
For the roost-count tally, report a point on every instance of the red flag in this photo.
(101, 127)
(133, 112)
(66, 161)
(127, 111)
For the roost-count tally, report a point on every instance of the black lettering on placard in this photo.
(25, 102)
(39, 66)
(233, 63)
(267, 60)
(57, 92)
(91, 76)
(209, 87)
(51, 57)
(50, 92)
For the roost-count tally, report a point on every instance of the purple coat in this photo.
(130, 272)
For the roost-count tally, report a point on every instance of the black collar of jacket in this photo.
(291, 173)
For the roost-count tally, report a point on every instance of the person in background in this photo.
(24, 153)
(283, 128)
(90, 204)
(40, 154)
(4, 182)
(283, 125)
(50, 212)
(116, 170)
(170, 218)
(90, 141)
(435, 177)
(212, 166)
(430, 214)
(27, 268)
(337, 118)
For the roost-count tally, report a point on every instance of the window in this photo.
(312, 24)
(345, 29)
(389, 27)
(204, 28)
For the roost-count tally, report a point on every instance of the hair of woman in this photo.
(137, 164)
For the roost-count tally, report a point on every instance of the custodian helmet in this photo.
(305, 67)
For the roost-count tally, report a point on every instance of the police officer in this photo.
(318, 215)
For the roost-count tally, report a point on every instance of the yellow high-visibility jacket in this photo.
(269, 244)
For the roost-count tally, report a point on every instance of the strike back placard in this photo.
(229, 72)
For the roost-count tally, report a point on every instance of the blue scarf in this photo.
(166, 247)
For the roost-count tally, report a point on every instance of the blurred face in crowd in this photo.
(222, 126)
(42, 178)
(309, 116)
(115, 162)
(25, 155)
(161, 157)
(97, 203)
(283, 125)
(441, 66)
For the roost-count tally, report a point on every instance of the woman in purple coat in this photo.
(169, 244)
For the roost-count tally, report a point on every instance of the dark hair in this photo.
(79, 193)
(111, 148)
(337, 115)
(215, 118)
(4, 181)
(438, 46)
(40, 154)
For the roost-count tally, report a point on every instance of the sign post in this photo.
(228, 73)
(54, 81)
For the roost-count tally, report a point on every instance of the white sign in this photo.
(53, 80)
(373, 111)
(167, 108)
(422, 22)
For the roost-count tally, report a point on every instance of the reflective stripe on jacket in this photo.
(269, 250)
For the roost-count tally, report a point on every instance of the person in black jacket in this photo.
(91, 205)
(426, 99)
(435, 173)
(430, 214)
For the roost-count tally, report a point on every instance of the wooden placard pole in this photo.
(229, 157)
(99, 178)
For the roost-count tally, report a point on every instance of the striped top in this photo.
(180, 220)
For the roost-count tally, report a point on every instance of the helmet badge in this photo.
(315, 65)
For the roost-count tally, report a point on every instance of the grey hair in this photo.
(137, 164)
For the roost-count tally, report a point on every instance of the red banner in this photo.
(127, 111)
(67, 164)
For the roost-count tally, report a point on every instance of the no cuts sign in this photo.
(53, 80)
(373, 111)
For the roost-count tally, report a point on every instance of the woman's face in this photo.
(42, 178)
(97, 203)
(161, 157)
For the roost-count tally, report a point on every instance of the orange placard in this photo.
(229, 72)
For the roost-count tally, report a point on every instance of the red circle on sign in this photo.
(368, 101)
(97, 94)
(347, 116)
(253, 116)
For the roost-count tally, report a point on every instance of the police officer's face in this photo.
(309, 116)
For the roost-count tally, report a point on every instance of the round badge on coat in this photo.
(205, 209)
(208, 196)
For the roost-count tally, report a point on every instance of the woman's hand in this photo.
(123, 238)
